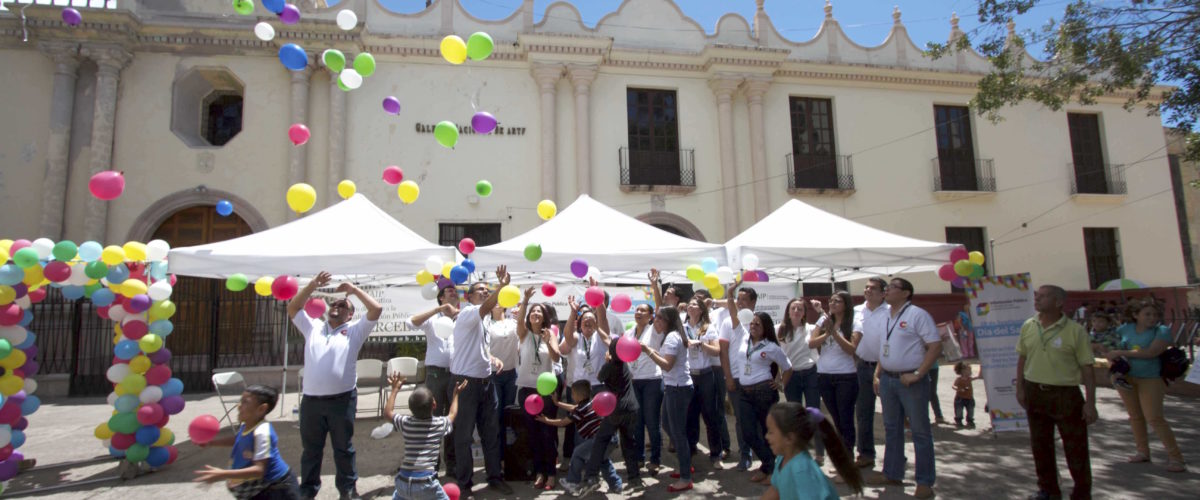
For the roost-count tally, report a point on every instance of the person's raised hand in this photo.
(396, 380)
(462, 386)
(322, 278)
(346, 287)
(574, 305)
(654, 275)
(502, 275)
(529, 291)
(732, 288)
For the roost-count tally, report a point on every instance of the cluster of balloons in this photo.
(963, 265)
(711, 276)
(288, 13)
(438, 272)
(350, 78)
(23, 278)
(478, 47)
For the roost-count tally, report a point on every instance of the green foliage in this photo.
(411, 349)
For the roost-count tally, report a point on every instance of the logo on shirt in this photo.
(982, 309)
(903, 325)
(762, 355)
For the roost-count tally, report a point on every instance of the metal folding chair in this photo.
(229, 402)
(370, 373)
(403, 366)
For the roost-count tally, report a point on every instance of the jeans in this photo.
(649, 394)
(678, 398)
(437, 380)
(569, 432)
(583, 451)
(756, 403)
(542, 442)
(704, 403)
(741, 416)
(962, 405)
(864, 410)
(1048, 407)
(1145, 405)
(911, 401)
(333, 416)
(840, 391)
(722, 423)
(476, 408)
(506, 395)
(419, 489)
(623, 422)
(933, 397)
(284, 489)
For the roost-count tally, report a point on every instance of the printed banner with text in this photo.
(999, 306)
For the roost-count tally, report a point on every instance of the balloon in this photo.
(11, 274)
(393, 175)
(709, 265)
(301, 197)
(64, 250)
(112, 255)
(162, 310)
(433, 264)
(604, 403)
(334, 59)
(695, 273)
(264, 31)
(429, 291)
(235, 282)
(479, 46)
(284, 287)
(546, 383)
(347, 19)
(975, 258)
(314, 308)
(546, 209)
(408, 191)
(102, 431)
(454, 49)
(509, 296)
(149, 415)
(89, 251)
(594, 296)
(628, 349)
(750, 261)
(351, 78)
(959, 253)
(548, 289)
(157, 456)
(290, 14)
(123, 440)
(466, 246)
(533, 252)
(56, 271)
(469, 264)
(963, 267)
(173, 387)
(483, 188)
(711, 281)
(621, 303)
(243, 7)
(745, 316)
(72, 18)
(579, 268)
(165, 437)
(161, 356)
(346, 189)
(137, 452)
(203, 429)
(107, 185)
(534, 403)
(446, 133)
(424, 277)
(391, 105)
(7, 294)
(976, 271)
(150, 343)
(157, 375)
(452, 491)
(160, 290)
(263, 286)
(157, 250)
(131, 288)
(483, 122)
(724, 274)
(459, 275)
(443, 327)
(30, 405)
(364, 64)
(10, 384)
(275, 6)
(298, 133)
(959, 282)
(172, 404)
(115, 374)
(947, 273)
(293, 57)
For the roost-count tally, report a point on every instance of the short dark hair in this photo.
(750, 292)
(421, 403)
(265, 395)
(703, 294)
(961, 366)
(1057, 291)
(906, 286)
(441, 295)
(878, 282)
(583, 386)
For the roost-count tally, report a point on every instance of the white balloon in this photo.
(43, 247)
(112, 398)
(593, 273)
(15, 334)
(725, 274)
(5, 435)
(160, 290)
(116, 373)
(106, 443)
(443, 327)
(750, 261)
(117, 313)
(151, 394)
(78, 275)
(24, 302)
(157, 250)
(347, 19)
(745, 316)
(30, 386)
(264, 31)
(434, 266)
(351, 78)
(429, 291)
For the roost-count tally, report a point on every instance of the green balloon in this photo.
(335, 60)
(237, 282)
(342, 85)
(533, 252)
(64, 251)
(89, 289)
(976, 271)
(125, 423)
(96, 270)
(546, 383)
(483, 188)
(364, 64)
(480, 46)
(243, 7)
(27, 257)
(445, 132)
(5, 348)
(137, 452)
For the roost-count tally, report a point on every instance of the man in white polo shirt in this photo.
(438, 351)
(872, 315)
(733, 342)
(909, 348)
(330, 400)
(472, 361)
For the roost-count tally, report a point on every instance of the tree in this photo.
(1094, 49)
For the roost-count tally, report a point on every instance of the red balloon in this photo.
(172, 454)
(284, 287)
(149, 414)
(158, 375)
(466, 246)
(452, 491)
(11, 314)
(959, 253)
(314, 308)
(122, 441)
(6, 451)
(548, 289)
(946, 272)
(594, 296)
(134, 329)
(393, 175)
(57, 271)
(107, 185)
(102, 312)
(604, 403)
(163, 423)
(298, 133)
(203, 429)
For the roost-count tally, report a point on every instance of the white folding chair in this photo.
(370, 373)
(403, 366)
(229, 402)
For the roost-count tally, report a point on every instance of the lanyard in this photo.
(759, 346)
(890, 326)
(691, 331)
(587, 346)
(1042, 332)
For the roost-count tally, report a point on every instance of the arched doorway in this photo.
(673, 224)
(670, 229)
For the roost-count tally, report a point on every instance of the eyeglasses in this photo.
(341, 305)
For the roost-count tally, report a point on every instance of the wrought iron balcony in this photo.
(657, 170)
(820, 173)
(960, 174)
(1096, 178)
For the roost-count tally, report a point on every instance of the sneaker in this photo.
(716, 463)
(1121, 383)
(569, 487)
(743, 465)
(924, 491)
(500, 486)
(618, 487)
(970, 425)
(864, 462)
(652, 469)
(958, 425)
(587, 486)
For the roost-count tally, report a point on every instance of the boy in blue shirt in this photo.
(257, 471)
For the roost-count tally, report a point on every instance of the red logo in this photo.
(762, 355)
(903, 324)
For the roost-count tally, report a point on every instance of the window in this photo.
(206, 107)
(814, 155)
(974, 239)
(956, 151)
(488, 233)
(823, 289)
(1087, 154)
(653, 152)
(223, 117)
(1103, 260)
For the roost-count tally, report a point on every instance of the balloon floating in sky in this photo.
(480, 46)
(391, 105)
(393, 175)
(446, 133)
(290, 14)
(347, 19)
(298, 133)
(301, 197)
(293, 57)
(71, 17)
(224, 208)
(243, 7)
(483, 122)
(107, 185)
(546, 209)
(454, 49)
(483, 188)
(346, 189)
(264, 31)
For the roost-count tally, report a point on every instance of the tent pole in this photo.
(283, 388)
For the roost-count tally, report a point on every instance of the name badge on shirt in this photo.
(747, 369)
(535, 368)
(590, 368)
(885, 350)
(1057, 343)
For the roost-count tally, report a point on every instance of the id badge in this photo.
(535, 369)
(885, 350)
(589, 368)
(1058, 343)
(747, 371)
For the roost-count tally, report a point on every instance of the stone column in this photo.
(110, 59)
(582, 77)
(58, 147)
(724, 86)
(755, 88)
(547, 76)
(337, 141)
(298, 155)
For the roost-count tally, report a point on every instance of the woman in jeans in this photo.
(837, 374)
(764, 359)
(794, 335)
(647, 389)
(703, 353)
(672, 357)
(1142, 342)
(537, 353)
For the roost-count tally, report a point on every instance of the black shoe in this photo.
(1041, 495)
(350, 495)
(501, 486)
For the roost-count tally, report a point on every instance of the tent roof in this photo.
(353, 237)
(831, 247)
(620, 246)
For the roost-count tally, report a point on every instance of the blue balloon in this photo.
(158, 456)
(126, 349)
(173, 387)
(30, 405)
(469, 264)
(118, 273)
(72, 292)
(18, 439)
(115, 452)
(275, 6)
(90, 251)
(162, 327)
(27, 318)
(30, 339)
(459, 275)
(147, 434)
(126, 403)
(10, 274)
(103, 297)
(224, 208)
(293, 57)
(709, 265)
(158, 270)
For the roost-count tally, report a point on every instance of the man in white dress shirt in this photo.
(872, 315)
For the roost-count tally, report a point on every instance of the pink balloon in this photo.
(57, 271)
(284, 287)
(393, 175)
(534, 404)
(107, 185)
(466, 246)
(594, 296)
(122, 441)
(298, 133)
(203, 429)
(946, 272)
(628, 349)
(452, 491)
(314, 308)
(548, 289)
(19, 244)
(959, 253)
(11, 314)
(135, 329)
(621, 303)
(172, 454)
(604, 403)
(149, 414)
(158, 375)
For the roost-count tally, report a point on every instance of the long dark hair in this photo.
(847, 320)
(801, 424)
(768, 325)
(545, 316)
(786, 327)
(671, 315)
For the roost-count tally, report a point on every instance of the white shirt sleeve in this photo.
(359, 330)
(775, 353)
(926, 328)
(858, 324)
(726, 331)
(303, 323)
(262, 441)
(672, 346)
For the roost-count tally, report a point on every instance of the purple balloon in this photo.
(30, 367)
(483, 122)
(30, 352)
(71, 17)
(139, 303)
(21, 289)
(579, 268)
(170, 404)
(959, 282)
(290, 14)
(9, 468)
(17, 398)
(391, 105)
(21, 424)
(161, 356)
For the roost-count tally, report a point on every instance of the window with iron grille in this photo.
(956, 149)
(814, 153)
(974, 239)
(1087, 153)
(486, 233)
(654, 157)
(1101, 246)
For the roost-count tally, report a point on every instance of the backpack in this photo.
(1174, 362)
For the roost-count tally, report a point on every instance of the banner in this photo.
(999, 306)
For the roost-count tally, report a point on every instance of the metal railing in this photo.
(1097, 179)
(657, 168)
(833, 172)
(951, 174)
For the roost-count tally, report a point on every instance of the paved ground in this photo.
(970, 464)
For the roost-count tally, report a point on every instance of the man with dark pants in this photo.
(733, 359)
(438, 351)
(872, 315)
(473, 362)
(1055, 355)
(330, 399)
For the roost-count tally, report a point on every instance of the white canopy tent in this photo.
(621, 247)
(830, 248)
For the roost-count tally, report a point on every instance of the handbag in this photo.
(950, 348)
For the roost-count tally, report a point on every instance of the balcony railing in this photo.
(1097, 178)
(650, 169)
(820, 172)
(953, 174)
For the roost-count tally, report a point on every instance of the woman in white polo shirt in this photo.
(703, 353)
(537, 354)
(672, 357)
(837, 371)
(648, 389)
(794, 334)
(760, 390)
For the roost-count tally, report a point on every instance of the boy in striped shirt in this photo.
(586, 424)
(423, 434)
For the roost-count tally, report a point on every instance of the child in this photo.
(964, 395)
(423, 436)
(257, 472)
(790, 428)
(1105, 338)
(586, 423)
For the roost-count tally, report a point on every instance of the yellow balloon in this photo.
(139, 363)
(164, 436)
(718, 293)
(446, 269)
(301, 197)
(546, 209)
(509, 296)
(133, 383)
(408, 192)
(118, 338)
(11, 384)
(423, 278)
(135, 251)
(346, 189)
(120, 390)
(132, 287)
(263, 286)
(14, 360)
(712, 281)
(454, 49)
(963, 267)
(6, 245)
(975, 258)
(33, 276)
(7, 295)
(117, 329)
(112, 255)
(103, 432)
(4, 255)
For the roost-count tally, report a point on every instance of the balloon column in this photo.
(963, 265)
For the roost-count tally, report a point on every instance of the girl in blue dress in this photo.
(790, 429)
